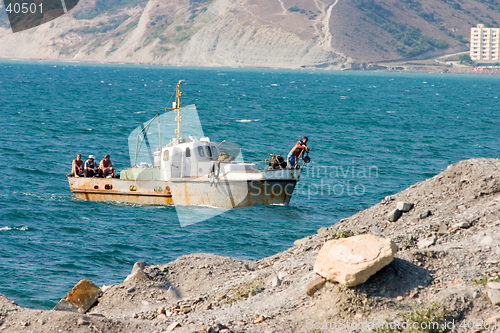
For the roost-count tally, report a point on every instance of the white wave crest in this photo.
(246, 120)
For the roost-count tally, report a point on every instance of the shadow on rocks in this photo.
(162, 281)
(396, 279)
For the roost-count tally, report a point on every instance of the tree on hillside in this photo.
(465, 58)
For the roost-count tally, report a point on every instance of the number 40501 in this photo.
(24, 8)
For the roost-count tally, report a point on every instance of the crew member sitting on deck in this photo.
(77, 166)
(294, 154)
(106, 166)
(91, 168)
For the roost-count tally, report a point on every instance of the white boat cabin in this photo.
(193, 158)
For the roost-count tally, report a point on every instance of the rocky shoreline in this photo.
(445, 271)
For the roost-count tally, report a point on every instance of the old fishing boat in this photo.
(190, 169)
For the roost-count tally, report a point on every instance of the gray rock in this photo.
(139, 265)
(404, 206)
(494, 296)
(425, 214)
(394, 215)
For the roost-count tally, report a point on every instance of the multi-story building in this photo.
(484, 44)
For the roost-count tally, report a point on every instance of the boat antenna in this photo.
(159, 133)
(176, 106)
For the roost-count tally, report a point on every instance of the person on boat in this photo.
(106, 166)
(91, 168)
(77, 166)
(294, 154)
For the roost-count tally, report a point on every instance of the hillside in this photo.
(445, 269)
(277, 33)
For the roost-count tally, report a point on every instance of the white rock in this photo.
(493, 285)
(494, 296)
(173, 326)
(322, 230)
(301, 241)
(404, 206)
(424, 243)
(138, 275)
(274, 281)
(486, 240)
(461, 225)
(375, 230)
(105, 287)
(351, 261)
(281, 275)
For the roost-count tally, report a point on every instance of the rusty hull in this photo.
(145, 192)
(188, 192)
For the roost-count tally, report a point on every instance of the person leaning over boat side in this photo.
(106, 166)
(293, 155)
(77, 166)
(91, 168)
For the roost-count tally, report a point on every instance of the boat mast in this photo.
(177, 108)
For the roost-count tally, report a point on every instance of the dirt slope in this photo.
(440, 273)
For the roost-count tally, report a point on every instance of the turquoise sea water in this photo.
(371, 135)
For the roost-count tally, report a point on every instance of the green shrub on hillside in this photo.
(429, 17)
(373, 7)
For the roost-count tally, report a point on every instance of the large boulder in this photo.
(351, 261)
(83, 295)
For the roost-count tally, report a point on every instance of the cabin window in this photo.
(165, 155)
(214, 151)
(200, 151)
(209, 152)
(188, 152)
